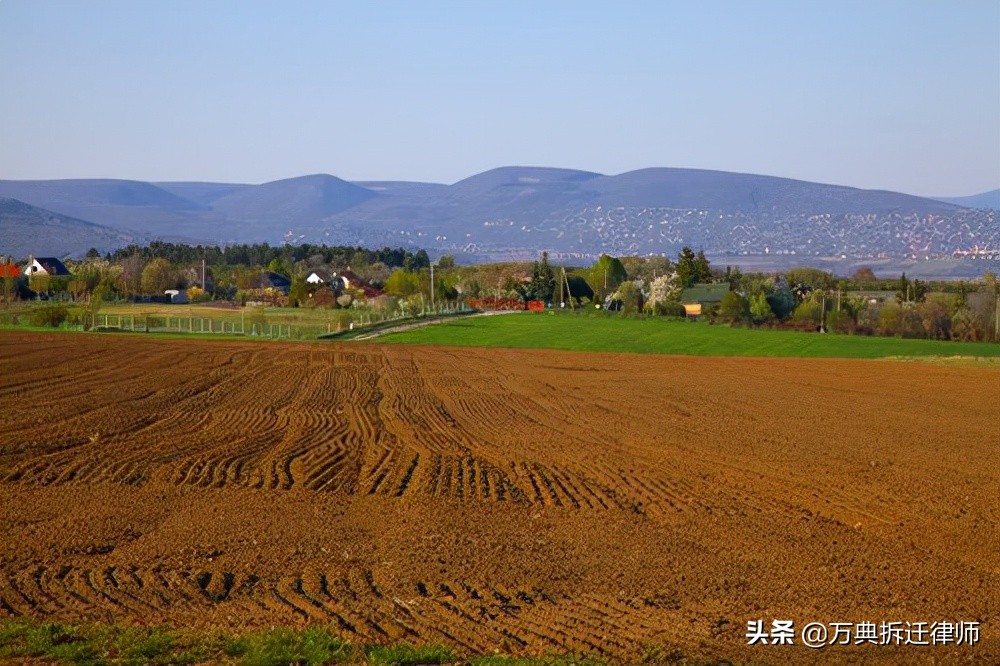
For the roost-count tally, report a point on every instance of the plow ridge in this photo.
(484, 499)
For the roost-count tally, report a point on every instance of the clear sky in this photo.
(901, 95)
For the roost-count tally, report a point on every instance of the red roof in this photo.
(10, 271)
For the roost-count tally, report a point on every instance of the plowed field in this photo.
(526, 501)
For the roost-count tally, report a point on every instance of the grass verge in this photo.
(610, 332)
(24, 640)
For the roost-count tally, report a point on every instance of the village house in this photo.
(351, 280)
(318, 276)
(39, 266)
(272, 280)
(699, 297)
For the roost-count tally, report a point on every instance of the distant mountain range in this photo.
(511, 212)
(26, 229)
(985, 200)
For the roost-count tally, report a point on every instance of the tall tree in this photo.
(702, 270)
(606, 274)
(687, 272)
(760, 309)
(158, 276)
(903, 289)
(781, 299)
(543, 281)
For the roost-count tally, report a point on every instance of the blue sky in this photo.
(878, 94)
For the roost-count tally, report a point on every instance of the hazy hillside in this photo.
(204, 194)
(121, 204)
(518, 211)
(286, 204)
(985, 200)
(747, 193)
(27, 229)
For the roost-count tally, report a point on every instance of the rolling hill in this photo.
(27, 229)
(989, 199)
(518, 211)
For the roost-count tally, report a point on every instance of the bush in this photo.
(734, 308)
(48, 315)
(667, 309)
(807, 315)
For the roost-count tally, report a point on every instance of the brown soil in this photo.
(522, 501)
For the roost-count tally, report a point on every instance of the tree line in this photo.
(263, 254)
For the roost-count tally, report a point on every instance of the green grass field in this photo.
(612, 333)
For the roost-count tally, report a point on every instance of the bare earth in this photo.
(526, 501)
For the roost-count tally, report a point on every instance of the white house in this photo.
(318, 277)
(45, 266)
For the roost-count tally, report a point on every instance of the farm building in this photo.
(45, 266)
(699, 297)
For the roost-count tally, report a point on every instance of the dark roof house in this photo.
(272, 280)
(352, 280)
(45, 266)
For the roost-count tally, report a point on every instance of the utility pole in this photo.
(432, 285)
(996, 317)
(203, 275)
(562, 301)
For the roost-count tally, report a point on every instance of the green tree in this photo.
(158, 276)
(402, 282)
(97, 297)
(702, 270)
(687, 273)
(760, 309)
(543, 281)
(734, 276)
(781, 300)
(298, 293)
(605, 276)
(903, 289)
(280, 265)
(813, 278)
(646, 269)
(734, 308)
(808, 312)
